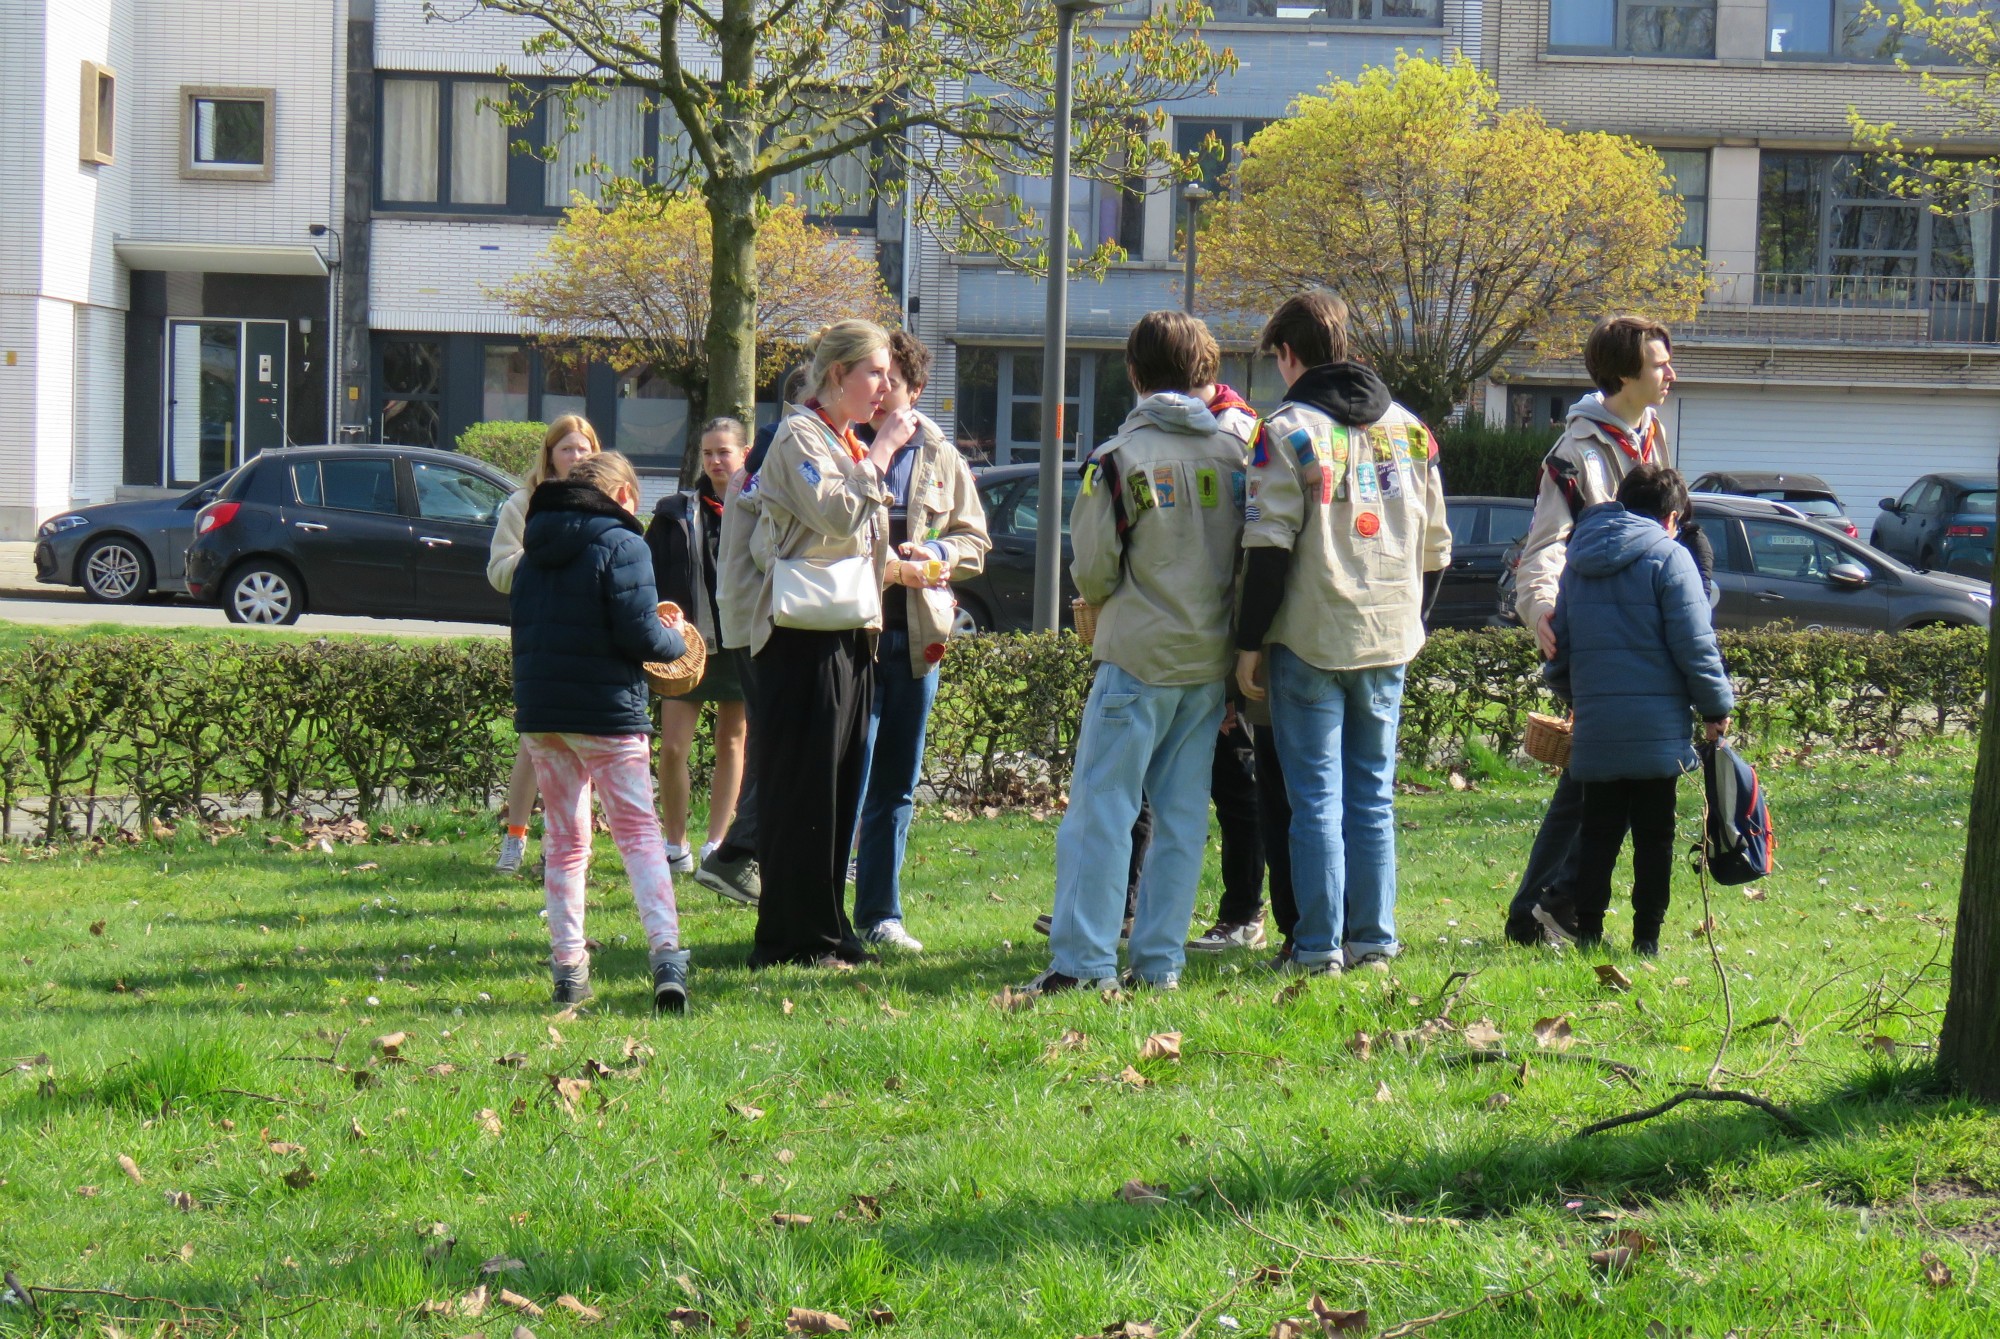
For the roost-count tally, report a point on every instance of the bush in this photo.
(511, 447)
(177, 725)
(1492, 461)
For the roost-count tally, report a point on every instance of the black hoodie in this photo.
(585, 616)
(1351, 395)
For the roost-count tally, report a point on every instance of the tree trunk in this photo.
(696, 391)
(1969, 1049)
(732, 316)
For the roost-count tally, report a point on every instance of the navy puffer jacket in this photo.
(1635, 649)
(585, 617)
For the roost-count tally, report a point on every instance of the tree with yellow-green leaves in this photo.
(1456, 232)
(951, 99)
(629, 285)
(1959, 41)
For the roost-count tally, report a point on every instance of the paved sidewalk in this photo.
(17, 571)
(79, 613)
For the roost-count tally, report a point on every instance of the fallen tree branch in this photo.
(1301, 1251)
(1409, 1327)
(1793, 1125)
(183, 1307)
(1222, 1301)
(1504, 1056)
(261, 1097)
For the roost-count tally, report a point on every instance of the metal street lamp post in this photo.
(1196, 196)
(336, 271)
(1048, 533)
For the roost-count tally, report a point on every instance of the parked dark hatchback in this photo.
(1002, 598)
(121, 552)
(1941, 521)
(389, 532)
(1484, 530)
(1802, 492)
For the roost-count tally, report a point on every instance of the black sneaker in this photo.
(1646, 946)
(670, 980)
(738, 879)
(1524, 929)
(572, 982)
(1557, 916)
(1053, 982)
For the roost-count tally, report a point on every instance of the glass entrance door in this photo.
(226, 390)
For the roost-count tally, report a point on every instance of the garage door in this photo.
(1868, 445)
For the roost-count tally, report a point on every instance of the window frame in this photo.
(1618, 8)
(1825, 183)
(190, 170)
(97, 137)
(1922, 55)
(1321, 19)
(775, 191)
(1708, 168)
(519, 168)
(1235, 132)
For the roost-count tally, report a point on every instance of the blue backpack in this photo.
(1741, 845)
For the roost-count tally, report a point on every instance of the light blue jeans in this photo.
(1138, 741)
(1336, 735)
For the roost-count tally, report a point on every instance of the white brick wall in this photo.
(469, 40)
(98, 388)
(435, 275)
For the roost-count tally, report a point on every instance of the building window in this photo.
(1395, 13)
(1687, 169)
(1220, 145)
(443, 144)
(504, 389)
(1842, 30)
(409, 141)
(652, 425)
(1834, 214)
(100, 105)
(226, 133)
(1542, 408)
(998, 407)
(608, 141)
(839, 192)
(1631, 28)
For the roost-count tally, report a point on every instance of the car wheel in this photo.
(970, 617)
(265, 593)
(115, 570)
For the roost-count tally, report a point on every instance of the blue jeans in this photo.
(1138, 740)
(1336, 735)
(894, 762)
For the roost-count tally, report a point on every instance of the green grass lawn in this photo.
(209, 1012)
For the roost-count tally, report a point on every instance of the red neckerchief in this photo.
(1645, 450)
(1225, 397)
(847, 437)
(713, 505)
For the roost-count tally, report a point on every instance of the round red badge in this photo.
(1367, 525)
(934, 652)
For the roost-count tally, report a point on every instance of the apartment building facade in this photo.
(1848, 332)
(164, 305)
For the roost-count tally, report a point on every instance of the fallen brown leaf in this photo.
(506, 1297)
(1270, 1276)
(500, 1264)
(745, 1110)
(689, 1316)
(489, 1121)
(285, 1150)
(1136, 1191)
(1496, 1101)
(1161, 1046)
(1632, 1239)
(1753, 894)
(1554, 1034)
(1609, 975)
(97, 927)
(802, 1320)
(473, 1304)
(87, 1192)
(354, 1130)
(131, 1169)
(587, 1314)
(512, 1060)
(1132, 1077)
(866, 1205)
(391, 1043)
(300, 1177)
(1361, 1045)
(1286, 994)
(1288, 1329)
(1010, 1000)
(792, 1219)
(636, 1051)
(1482, 1034)
(442, 1070)
(180, 1199)
(569, 1092)
(881, 1315)
(1936, 1272)
(1613, 1260)
(1333, 1321)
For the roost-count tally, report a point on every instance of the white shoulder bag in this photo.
(826, 594)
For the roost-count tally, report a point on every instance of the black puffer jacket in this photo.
(585, 617)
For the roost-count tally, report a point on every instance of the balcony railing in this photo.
(1855, 309)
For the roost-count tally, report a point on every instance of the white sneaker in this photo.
(894, 935)
(680, 859)
(513, 850)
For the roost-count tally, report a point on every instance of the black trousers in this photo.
(812, 692)
(1274, 823)
(1551, 860)
(1233, 788)
(1610, 809)
(741, 839)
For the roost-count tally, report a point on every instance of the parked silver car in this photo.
(120, 552)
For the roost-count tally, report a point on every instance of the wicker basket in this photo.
(1084, 616)
(1548, 739)
(676, 678)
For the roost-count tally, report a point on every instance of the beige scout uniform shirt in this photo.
(1165, 585)
(504, 554)
(944, 509)
(1588, 463)
(1364, 519)
(814, 501)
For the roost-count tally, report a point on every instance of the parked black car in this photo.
(1002, 598)
(385, 531)
(1775, 564)
(121, 552)
(1941, 521)
(1803, 492)
(1484, 530)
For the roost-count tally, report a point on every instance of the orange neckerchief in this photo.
(847, 437)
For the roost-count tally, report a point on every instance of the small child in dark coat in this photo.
(586, 616)
(1635, 656)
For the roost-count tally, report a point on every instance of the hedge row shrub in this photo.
(176, 724)
(1492, 460)
(507, 446)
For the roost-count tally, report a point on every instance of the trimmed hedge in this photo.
(174, 724)
(507, 446)
(1492, 460)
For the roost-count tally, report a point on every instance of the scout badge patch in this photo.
(1384, 450)
(1163, 485)
(1251, 511)
(1367, 484)
(1236, 488)
(809, 472)
(1207, 487)
(1141, 491)
(1368, 525)
(1337, 450)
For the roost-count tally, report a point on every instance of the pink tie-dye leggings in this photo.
(621, 767)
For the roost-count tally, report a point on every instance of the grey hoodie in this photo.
(1154, 534)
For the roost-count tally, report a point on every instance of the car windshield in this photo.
(1812, 504)
(1978, 503)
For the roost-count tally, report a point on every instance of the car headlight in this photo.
(57, 524)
